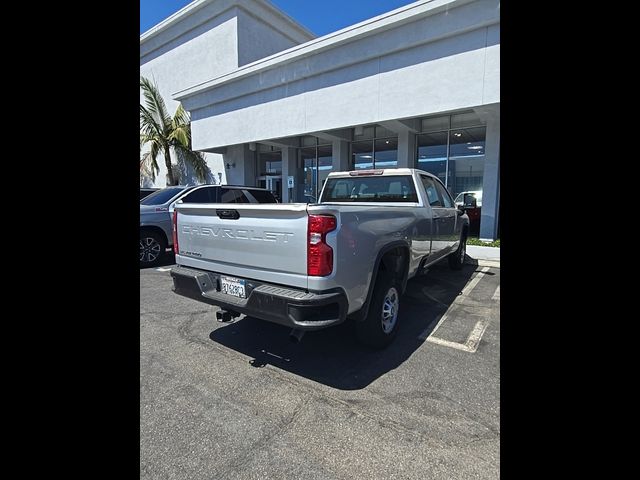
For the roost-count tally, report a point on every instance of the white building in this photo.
(418, 86)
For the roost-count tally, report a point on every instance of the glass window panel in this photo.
(444, 195)
(325, 165)
(469, 119)
(362, 154)
(259, 196)
(200, 195)
(435, 124)
(466, 175)
(432, 193)
(270, 163)
(232, 195)
(391, 188)
(432, 153)
(386, 153)
(308, 157)
(467, 142)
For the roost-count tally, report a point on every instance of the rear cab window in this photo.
(387, 188)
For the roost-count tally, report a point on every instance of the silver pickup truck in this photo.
(312, 266)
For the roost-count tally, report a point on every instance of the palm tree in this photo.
(162, 132)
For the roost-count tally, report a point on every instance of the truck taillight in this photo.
(175, 232)
(319, 254)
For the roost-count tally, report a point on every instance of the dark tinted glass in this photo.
(391, 188)
(444, 195)
(162, 196)
(201, 195)
(432, 193)
(232, 195)
(260, 196)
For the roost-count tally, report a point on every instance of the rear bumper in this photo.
(286, 306)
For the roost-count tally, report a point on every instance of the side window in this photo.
(432, 193)
(233, 195)
(446, 198)
(200, 195)
(259, 196)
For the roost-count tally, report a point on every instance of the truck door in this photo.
(448, 218)
(443, 219)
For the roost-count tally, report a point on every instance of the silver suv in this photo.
(155, 212)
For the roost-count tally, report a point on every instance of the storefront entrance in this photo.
(272, 183)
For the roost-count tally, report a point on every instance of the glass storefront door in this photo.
(270, 169)
(317, 163)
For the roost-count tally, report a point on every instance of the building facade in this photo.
(415, 87)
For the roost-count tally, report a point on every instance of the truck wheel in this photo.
(152, 246)
(379, 328)
(456, 259)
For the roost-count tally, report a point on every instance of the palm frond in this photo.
(148, 124)
(155, 103)
(181, 117)
(194, 159)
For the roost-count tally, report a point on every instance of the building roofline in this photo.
(197, 5)
(385, 21)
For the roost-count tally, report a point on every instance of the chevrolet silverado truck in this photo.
(312, 266)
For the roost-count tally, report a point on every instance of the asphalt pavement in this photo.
(240, 401)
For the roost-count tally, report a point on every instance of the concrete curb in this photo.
(483, 256)
(482, 262)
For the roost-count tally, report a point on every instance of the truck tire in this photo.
(379, 328)
(456, 259)
(152, 247)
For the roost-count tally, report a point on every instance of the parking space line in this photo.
(472, 284)
(426, 333)
(496, 295)
(471, 344)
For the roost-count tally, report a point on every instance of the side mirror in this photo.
(470, 201)
(461, 209)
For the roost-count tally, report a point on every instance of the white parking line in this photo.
(163, 269)
(426, 333)
(472, 284)
(471, 344)
(496, 295)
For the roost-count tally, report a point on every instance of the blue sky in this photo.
(319, 16)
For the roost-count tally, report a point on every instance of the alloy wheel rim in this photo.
(149, 249)
(390, 310)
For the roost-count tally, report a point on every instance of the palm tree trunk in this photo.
(167, 161)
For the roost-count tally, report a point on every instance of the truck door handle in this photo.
(227, 214)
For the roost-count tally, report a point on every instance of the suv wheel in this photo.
(152, 247)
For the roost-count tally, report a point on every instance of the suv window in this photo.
(200, 195)
(444, 195)
(162, 196)
(260, 196)
(232, 195)
(432, 193)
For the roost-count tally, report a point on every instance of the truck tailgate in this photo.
(266, 242)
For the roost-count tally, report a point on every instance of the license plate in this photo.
(232, 286)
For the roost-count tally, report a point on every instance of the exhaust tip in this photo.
(296, 335)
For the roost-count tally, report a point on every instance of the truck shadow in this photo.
(333, 356)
